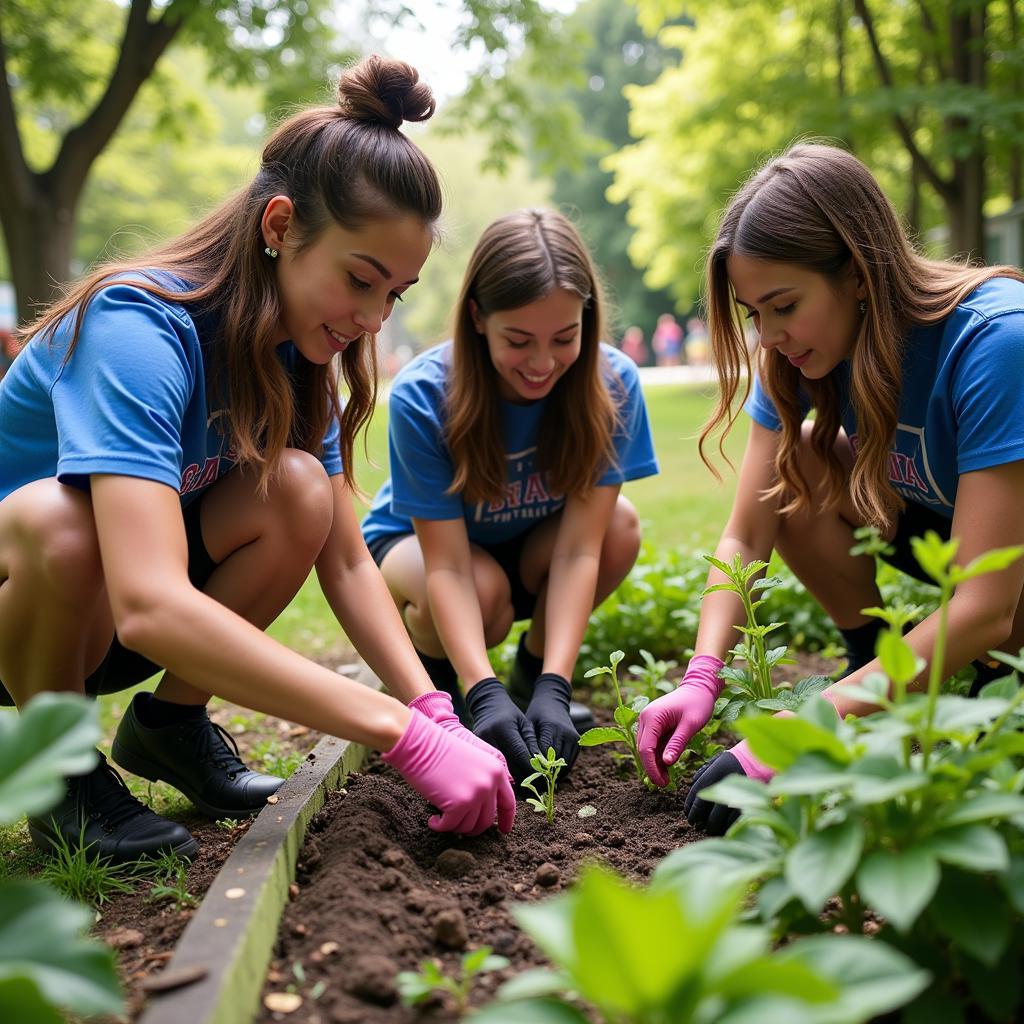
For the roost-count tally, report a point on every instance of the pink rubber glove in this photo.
(469, 787)
(437, 706)
(670, 722)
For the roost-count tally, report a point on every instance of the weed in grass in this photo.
(418, 986)
(269, 755)
(547, 767)
(82, 876)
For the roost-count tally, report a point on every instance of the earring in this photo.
(272, 253)
(862, 306)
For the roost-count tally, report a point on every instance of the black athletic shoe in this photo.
(195, 756)
(520, 689)
(100, 814)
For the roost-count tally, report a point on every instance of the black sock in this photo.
(154, 712)
(860, 644)
(529, 664)
(441, 672)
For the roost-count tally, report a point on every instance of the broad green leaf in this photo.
(955, 714)
(494, 962)
(535, 983)
(975, 847)
(777, 704)
(23, 1003)
(529, 1011)
(1013, 881)
(970, 910)
(818, 711)
(602, 734)
(413, 988)
(769, 975)
(874, 978)
(54, 735)
(1005, 688)
(820, 864)
(742, 793)
(933, 554)
(898, 659)
(981, 807)
(899, 885)
(778, 742)
(996, 989)
(735, 860)
(549, 924)
(40, 939)
(474, 960)
(990, 561)
(812, 684)
(625, 716)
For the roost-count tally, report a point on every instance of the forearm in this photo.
(572, 582)
(722, 611)
(971, 632)
(455, 610)
(198, 639)
(362, 603)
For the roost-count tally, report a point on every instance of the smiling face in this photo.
(799, 314)
(346, 282)
(532, 346)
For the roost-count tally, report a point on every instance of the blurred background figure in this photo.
(667, 341)
(634, 346)
(695, 346)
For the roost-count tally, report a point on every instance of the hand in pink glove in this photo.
(670, 722)
(468, 786)
(437, 706)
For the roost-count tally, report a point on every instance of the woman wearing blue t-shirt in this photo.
(913, 369)
(173, 456)
(509, 446)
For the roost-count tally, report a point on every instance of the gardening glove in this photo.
(497, 721)
(548, 713)
(667, 724)
(468, 786)
(437, 706)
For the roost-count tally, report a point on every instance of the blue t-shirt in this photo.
(961, 403)
(421, 467)
(132, 400)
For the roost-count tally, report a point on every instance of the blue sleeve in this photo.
(421, 469)
(634, 445)
(760, 407)
(988, 400)
(120, 399)
(331, 454)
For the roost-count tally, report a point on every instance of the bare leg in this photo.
(55, 621)
(265, 546)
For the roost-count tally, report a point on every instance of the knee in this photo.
(496, 609)
(622, 542)
(66, 547)
(302, 498)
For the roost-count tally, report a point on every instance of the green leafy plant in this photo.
(653, 955)
(80, 875)
(45, 962)
(547, 767)
(626, 715)
(750, 684)
(650, 679)
(171, 887)
(913, 814)
(418, 986)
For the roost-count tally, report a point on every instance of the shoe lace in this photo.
(217, 746)
(108, 797)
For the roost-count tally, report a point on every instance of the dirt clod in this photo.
(547, 875)
(455, 863)
(372, 978)
(450, 929)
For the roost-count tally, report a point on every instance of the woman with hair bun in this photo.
(176, 460)
(509, 446)
(912, 367)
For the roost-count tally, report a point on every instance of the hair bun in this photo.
(384, 91)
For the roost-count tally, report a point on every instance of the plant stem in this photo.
(935, 671)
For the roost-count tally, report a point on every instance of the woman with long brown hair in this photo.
(176, 461)
(509, 446)
(912, 367)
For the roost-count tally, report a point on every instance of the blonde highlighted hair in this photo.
(347, 164)
(520, 258)
(820, 208)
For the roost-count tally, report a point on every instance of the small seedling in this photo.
(546, 767)
(418, 986)
(171, 887)
(626, 715)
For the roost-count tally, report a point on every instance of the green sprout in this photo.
(418, 986)
(546, 767)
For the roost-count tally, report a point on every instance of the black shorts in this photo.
(122, 669)
(506, 553)
(914, 521)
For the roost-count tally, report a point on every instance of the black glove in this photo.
(714, 818)
(497, 721)
(548, 713)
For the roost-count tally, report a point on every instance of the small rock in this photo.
(582, 839)
(493, 892)
(450, 929)
(329, 948)
(391, 879)
(417, 900)
(518, 886)
(455, 863)
(299, 930)
(392, 858)
(373, 979)
(282, 1002)
(547, 875)
(616, 839)
(293, 891)
(124, 938)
